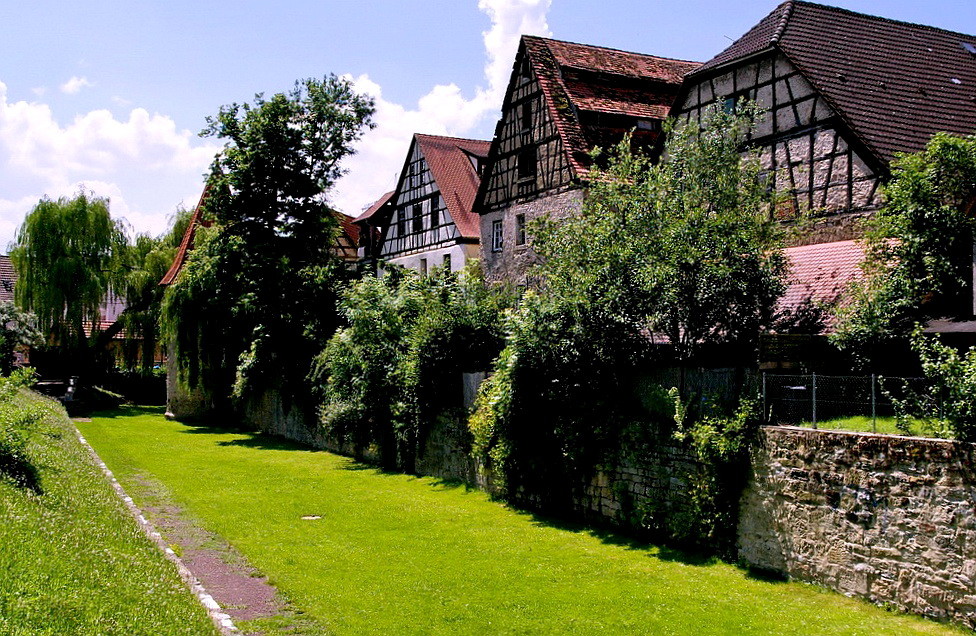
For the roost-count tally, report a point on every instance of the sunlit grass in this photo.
(867, 424)
(395, 554)
(72, 559)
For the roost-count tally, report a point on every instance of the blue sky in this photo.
(112, 94)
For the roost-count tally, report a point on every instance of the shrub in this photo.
(387, 375)
(16, 423)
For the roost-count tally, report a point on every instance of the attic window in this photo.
(527, 163)
(969, 47)
(526, 70)
(648, 124)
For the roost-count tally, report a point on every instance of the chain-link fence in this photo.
(817, 399)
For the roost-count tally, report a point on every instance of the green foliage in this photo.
(721, 444)
(397, 366)
(949, 410)
(147, 259)
(65, 256)
(18, 419)
(256, 298)
(685, 248)
(17, 328)
(919, 250)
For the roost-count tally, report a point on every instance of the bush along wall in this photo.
(383, 380)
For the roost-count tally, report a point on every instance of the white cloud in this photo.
(121, 101)
(39, 90)
(444, 110)
(145, 156)
(75, 84)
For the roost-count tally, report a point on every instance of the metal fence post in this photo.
(765, 407)
(874, 412)
(814, 400)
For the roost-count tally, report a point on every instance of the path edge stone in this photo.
(221, 620)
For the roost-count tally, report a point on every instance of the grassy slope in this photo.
(399, 554)
(73, 561)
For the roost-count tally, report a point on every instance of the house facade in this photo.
(563, 100)
(843, 93)
(427, 221)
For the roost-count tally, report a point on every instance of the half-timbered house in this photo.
(563, 99)
(427, 221)
(843, 92)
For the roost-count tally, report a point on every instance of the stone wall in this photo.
(886, 518)
(648, 495)
(511, 263)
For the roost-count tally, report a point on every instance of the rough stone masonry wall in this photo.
(649, 494)
(887, 518)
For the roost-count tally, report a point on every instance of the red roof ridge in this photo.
(448, 138)
(609, 48)
(374, 206)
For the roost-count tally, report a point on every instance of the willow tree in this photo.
(65, 256)
(256, 299)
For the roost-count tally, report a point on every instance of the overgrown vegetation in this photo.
(919, 245)
(666, 260)
(397, 366)
(256, 299)
(73, 559)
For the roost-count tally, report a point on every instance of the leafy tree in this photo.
(257, 297)
(919, 245)
(684, 248)
(147, 260)
(66, 253)
(397, 366)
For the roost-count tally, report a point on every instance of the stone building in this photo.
(427, 221)
(563, 99)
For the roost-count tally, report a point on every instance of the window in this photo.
(520, 229)
(447, 262)
(525, 117)
(401, 222)
(418, 219)
(423, 267)
(728, 105)
(526, 163)
(496, 236)
(435, 211)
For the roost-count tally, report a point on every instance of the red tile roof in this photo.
(895, 84)
(373, 209)
(449, 161)
(820, 273)
(187, 243)
(594, 79)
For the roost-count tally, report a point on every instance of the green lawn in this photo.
(395, 554)
(865, 424)
(72, 559)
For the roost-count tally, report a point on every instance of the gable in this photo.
(807, 150)
(431, 205)
(894, 84)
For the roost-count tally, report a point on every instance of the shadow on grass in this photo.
(611, 536)
(128, 410)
